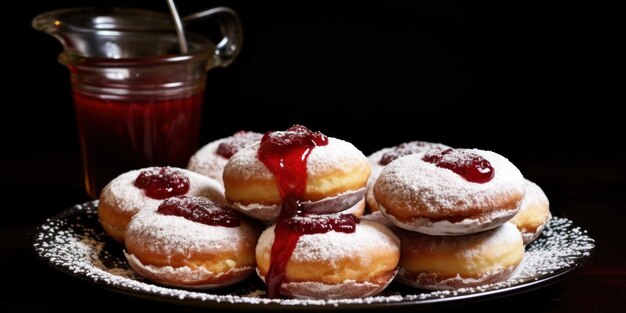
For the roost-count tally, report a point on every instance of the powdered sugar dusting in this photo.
(406, 278)
(207, 161)
(336, 156)
(170, 234)
(560, 246)
(442, 190)
(393, 153)
(408, 148)
(122, 193)
(332, 246)
(374, 160)
(75, 243)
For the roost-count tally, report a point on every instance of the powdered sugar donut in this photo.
(191, 242)
(534, 213)
(357, 210)
(378, 217)
(336, 177)
(450, 262)
(124, 196)
(450, 192)
(335, 265)
(379, 159)
(211, 159)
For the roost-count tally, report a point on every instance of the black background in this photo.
(538, 83)
(516, 78)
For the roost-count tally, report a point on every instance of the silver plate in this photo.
(74, 243)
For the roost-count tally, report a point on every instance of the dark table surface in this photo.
(591, 196)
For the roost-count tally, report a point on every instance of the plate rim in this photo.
(527, 286)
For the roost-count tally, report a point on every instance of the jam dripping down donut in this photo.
(471, 166)
(200, 210)
(292, 224)
(285, 154)
(162, 182)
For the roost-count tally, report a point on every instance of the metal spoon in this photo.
(180, 32)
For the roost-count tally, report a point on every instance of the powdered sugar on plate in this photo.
(73, 242)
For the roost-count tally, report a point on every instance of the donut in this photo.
(379, 159)
(191, 242)
(451, 262)
(325, 174)
(534, 213)
(211, 159)
(334, 264)
(378, 217)
(125, 195)
(450, 192)
(357, 210)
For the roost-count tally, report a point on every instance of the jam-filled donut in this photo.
(146, 188)
(450, 262)
(334, 175)
(211, 159)
(327, 257)
(381, 158)
(534, 213)
(192, 242)
(450, 192)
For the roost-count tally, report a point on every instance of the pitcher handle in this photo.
(230, 27)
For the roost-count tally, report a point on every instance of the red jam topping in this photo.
(285, 154)
(287, 232)
(200, 210)
(405, 149)
(162, 182)
(238, 141)
(307, 224)
(469, 165)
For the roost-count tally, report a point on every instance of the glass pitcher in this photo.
(138, 101)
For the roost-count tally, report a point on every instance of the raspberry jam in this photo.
(471, 166)
(308, 224)
(289, 227)
(285, 154)
(407, 148)
(120, 135)
(200, 210)
(238, 141)
(162, 182)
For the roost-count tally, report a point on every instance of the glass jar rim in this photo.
(72, 58)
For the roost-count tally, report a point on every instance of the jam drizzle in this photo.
(162, 182)
(285, 154)
(200, 210)
(471, 166)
